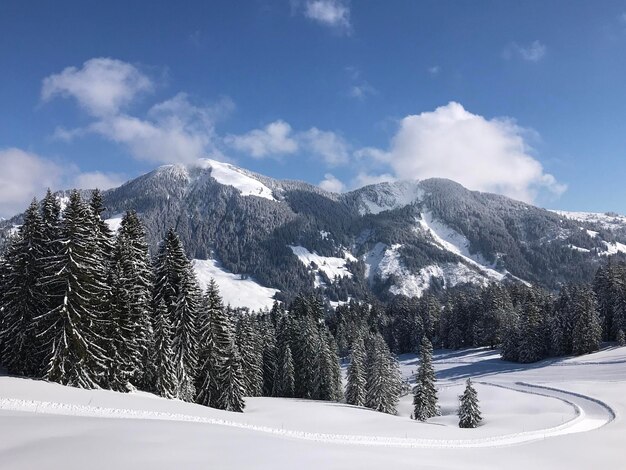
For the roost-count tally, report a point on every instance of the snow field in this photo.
(234, 291)
(230, 175)
(331, 266)
(557, 414)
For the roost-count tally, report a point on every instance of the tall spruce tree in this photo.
(284, 378)
(305, 351)
(131, 283)
(383, 382)
(211, 348)
(250, 350)
(469, 412)
(24, 298)
(267, 332)
(328, 377)
(164, 368)
(220, 379)
(587, 330)
(78, 355)
(425, 392)
(355, 389)
(532, 344)
(176, 286)
(232, 382)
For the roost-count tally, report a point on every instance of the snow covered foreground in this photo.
(556, 414)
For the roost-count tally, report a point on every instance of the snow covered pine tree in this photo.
(425, 393)
(469, 413)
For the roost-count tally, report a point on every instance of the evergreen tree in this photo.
(251, 353)
(328, 377)
(231, 378)
(221, 382)
(102, 233)
(165, 377)
(306, 350)
(383, 382)
(52, 283)
(78, 355)
(210, 353)
(269, 356)
(425, 393)
(24, 298)
(284, 380)
(621, 341)
(562, 323)
(531, 347)
(510, 338)
(175, 285)
(469, 413)
(355, 389)
(587, 330)
(131, 283)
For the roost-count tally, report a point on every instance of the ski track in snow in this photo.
(590, 414)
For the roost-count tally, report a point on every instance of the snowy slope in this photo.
(388, 196)
(331, 266)
(450, 240)
(385, 262)
(231, 175)
(558, 414)
(234, 291)
(608, 221)
(114, 222)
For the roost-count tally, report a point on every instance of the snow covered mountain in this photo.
(263, 238)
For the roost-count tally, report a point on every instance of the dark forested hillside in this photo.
(392, 238)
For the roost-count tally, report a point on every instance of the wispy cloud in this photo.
(359, 88)
(532, 52)
(175, 130)
(273, 140)
(26, 175)
(277, 139)
(434, 70)
(334, 14)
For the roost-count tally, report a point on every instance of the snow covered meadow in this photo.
(557, 414)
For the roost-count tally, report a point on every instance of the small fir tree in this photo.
(469, 413)
(425, 392)
(355, 389)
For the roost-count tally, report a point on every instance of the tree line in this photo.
(82, 306)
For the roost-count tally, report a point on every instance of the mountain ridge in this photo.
(393, 238)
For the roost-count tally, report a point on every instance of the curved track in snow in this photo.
(590, 414)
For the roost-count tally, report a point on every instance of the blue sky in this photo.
(522, 98)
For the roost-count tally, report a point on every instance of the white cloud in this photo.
(332, 13)
(163, 142)
(482, 154)
(362, 90)
(331, 147)
(434, 70)
(98, 179)
(359, 88)
(275, 139)
(364, 179)
(102, 86)
(26, 175)
(532, 52)
(174, 130)
(332, 184)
